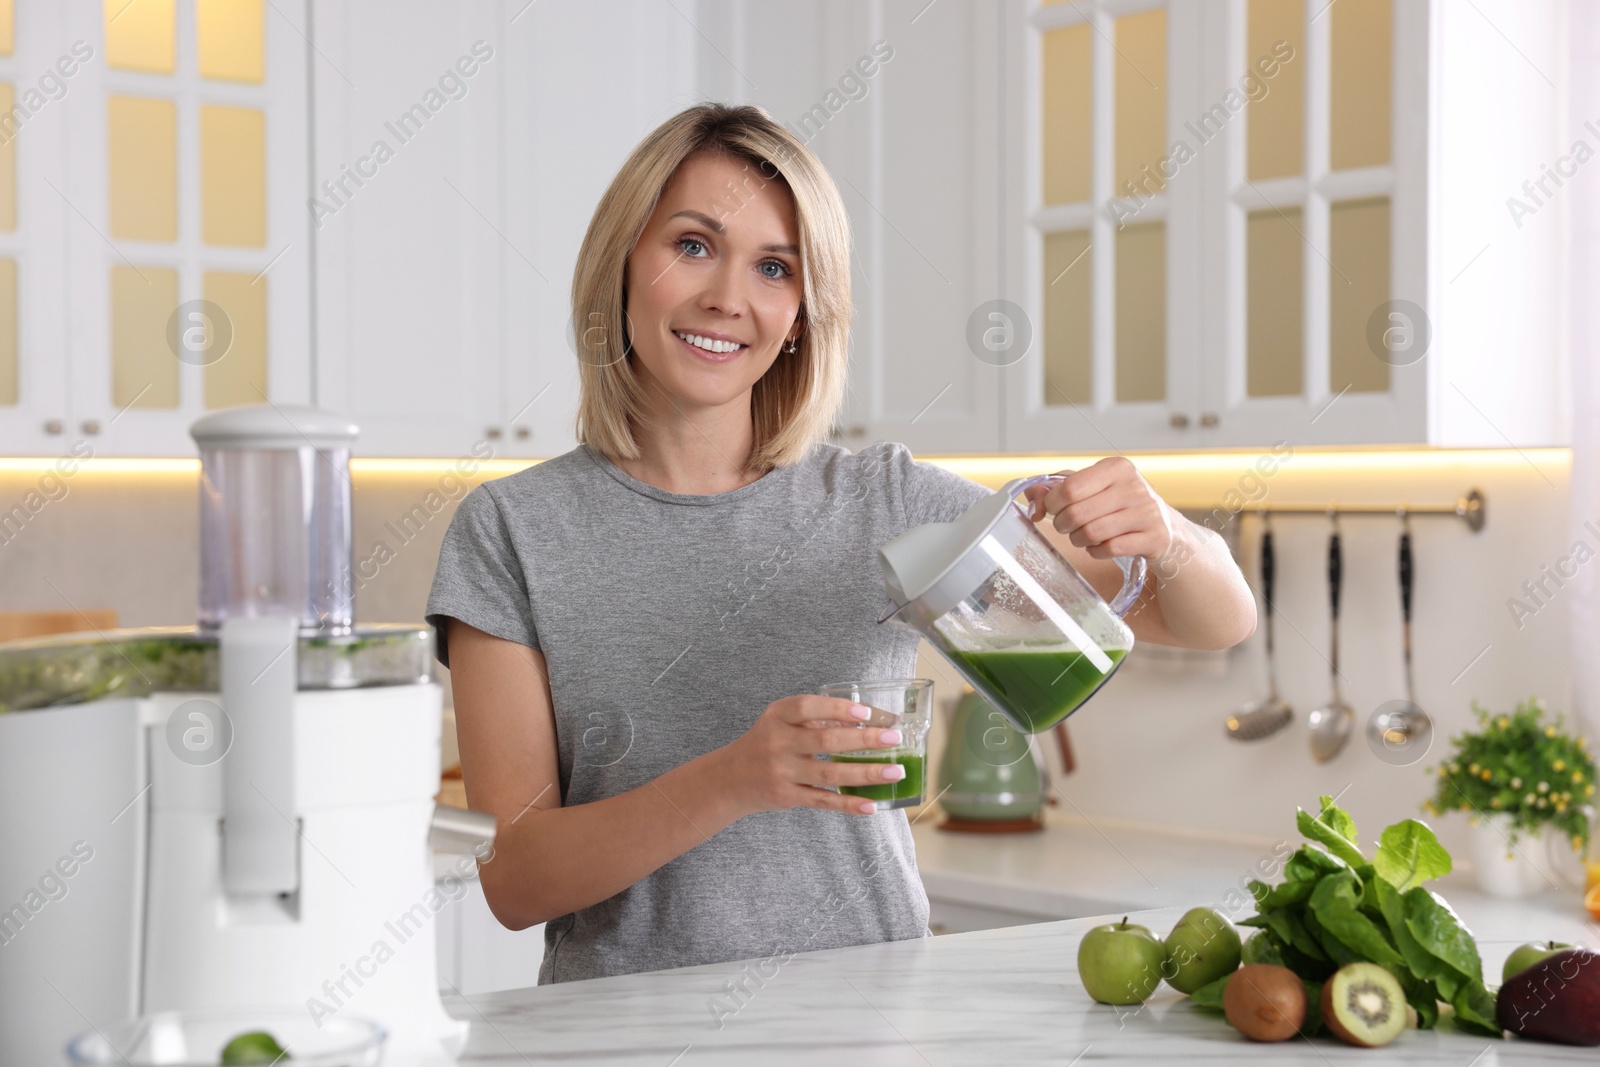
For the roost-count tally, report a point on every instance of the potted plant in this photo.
(1527, 785)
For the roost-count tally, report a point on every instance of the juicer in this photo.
(237, 813)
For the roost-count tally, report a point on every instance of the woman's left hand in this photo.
(1108, 509)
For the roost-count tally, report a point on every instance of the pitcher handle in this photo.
(1133, 567)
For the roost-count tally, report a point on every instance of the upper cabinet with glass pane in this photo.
(1244, 221)
(205, 250)
(162, 243)
(1105, 219)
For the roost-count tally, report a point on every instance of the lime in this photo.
(258, 1046)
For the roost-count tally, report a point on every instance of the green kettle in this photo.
(991, 775)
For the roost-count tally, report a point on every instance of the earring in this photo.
(794, 343)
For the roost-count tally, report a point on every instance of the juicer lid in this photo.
(273, 426)
(941, 562)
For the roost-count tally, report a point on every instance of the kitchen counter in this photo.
(998, 996)
(1074, 867)
(1007, 996)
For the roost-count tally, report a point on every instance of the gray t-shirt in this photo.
(669, 622)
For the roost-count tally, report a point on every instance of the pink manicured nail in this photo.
(893, 772)
(867, 807)
(860, 711)
(889, 737)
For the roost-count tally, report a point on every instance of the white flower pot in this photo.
(1510, 871)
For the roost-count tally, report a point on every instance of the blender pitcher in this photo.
(993, 595)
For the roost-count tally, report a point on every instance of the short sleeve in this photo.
(930, 493)
(480, 579)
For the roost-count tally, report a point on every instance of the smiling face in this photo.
(714, 283)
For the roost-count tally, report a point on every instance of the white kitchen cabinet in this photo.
(231, 323)
(407, 194)
(423, 288)
(161, 256)
(477, 954)
(444, 271)
(955, 917)
(1473, 112)
(899, 104)
(585, 83)
(35, 416)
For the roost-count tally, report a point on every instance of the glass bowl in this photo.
(196, 1038)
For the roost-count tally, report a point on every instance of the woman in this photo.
(633, 626)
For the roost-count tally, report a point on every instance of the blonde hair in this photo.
(794, 402)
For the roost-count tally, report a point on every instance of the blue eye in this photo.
(780, 265)
(682, 241)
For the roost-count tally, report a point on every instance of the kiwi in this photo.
(1364, 1004)
(1265, 1002)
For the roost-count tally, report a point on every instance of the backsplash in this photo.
(1151, 746)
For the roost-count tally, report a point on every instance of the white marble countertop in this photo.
(1074, 867)
(1008, 996)
(1003, 996)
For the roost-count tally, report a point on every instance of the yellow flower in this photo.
(1577, 842)
(1588, 790)
(1494, 801)
(1443, 770)
(1516, 783)
(1549, 731)
(1487, 774)
(1503, 722)
(1544, 787)
(1529, 799)
(1577, 776)
(1559, 765)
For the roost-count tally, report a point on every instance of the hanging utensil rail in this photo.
(1469, 509)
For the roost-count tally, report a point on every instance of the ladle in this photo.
(1264, 717)
(1402, 728)
(1330, 724)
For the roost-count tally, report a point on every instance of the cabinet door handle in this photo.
(492, 433)
(1178, 420)
(523, 433)
(90, 427)
(53, 426)
(1208, 418)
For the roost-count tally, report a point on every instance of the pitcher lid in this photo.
(941, 563)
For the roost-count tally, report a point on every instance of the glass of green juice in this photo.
(908, 702)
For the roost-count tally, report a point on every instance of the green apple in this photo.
(1120, 963)
(1203, 947)
(1524, 956)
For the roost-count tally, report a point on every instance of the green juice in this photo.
(1039, 687)
(907, 790)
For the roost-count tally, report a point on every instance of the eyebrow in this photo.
(716, 227)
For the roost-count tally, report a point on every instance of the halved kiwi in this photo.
(1364, 1004)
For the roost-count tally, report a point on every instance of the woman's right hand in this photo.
(773, 765)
